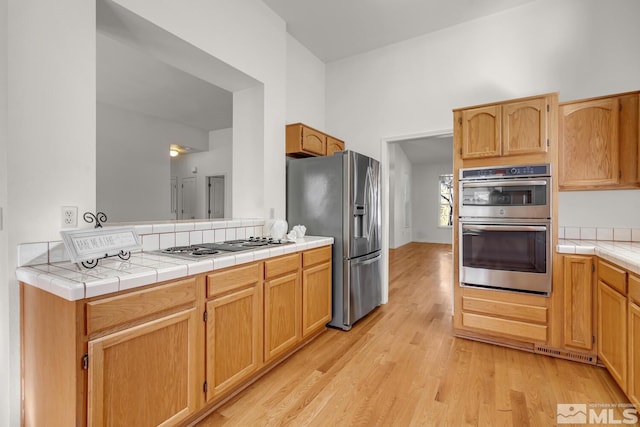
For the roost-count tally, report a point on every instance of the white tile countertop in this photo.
(72, 282)
(623, 253)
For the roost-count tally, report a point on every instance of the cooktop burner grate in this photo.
(202, 250)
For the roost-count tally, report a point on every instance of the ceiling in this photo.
(336, 29)
(134, 80)
(429, 150)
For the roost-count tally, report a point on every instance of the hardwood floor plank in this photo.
(401, 366)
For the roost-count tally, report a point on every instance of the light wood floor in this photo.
(401, 366)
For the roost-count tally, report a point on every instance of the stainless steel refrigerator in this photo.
(339, 196)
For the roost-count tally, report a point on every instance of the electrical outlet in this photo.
(69, 216)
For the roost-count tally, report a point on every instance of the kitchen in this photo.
(569, 47)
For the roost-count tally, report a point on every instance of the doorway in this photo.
(174, 197)
(215, 196)
(188, 210)
(391, 194)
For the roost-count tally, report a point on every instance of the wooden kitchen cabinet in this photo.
(502, 315)
(144, 375)
(505, 129)
(233, 327)
(305, 141)
(599, 143)
(612, 321)
(316, 290)
(168, 352)
(334, 145)
(135, 350)
(481, 132)
(633, 386)
(524, 127)
(578, 302)
(282, 305)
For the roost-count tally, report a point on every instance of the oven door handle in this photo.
(503, 227)
(514, 183)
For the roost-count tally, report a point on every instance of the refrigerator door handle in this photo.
(368, 185)
(372, 260)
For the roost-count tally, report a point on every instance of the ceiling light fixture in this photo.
(173, 153)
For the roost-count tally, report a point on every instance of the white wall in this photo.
(250, 37)
(579, 48)
(619, 208)
(133, 167)
(215, 161)
(52, 112)
(4, 273)
(305, 86)
(51, 126)
(426, 196)
(400, 171)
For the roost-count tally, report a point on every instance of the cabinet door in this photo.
(634, 354)
(234, 333)
(313, 142)
(578, 302)
(612, 332)
(481, 132)
(145, 375)
(316, 298)
(334, 145)
(282, 316)
(524, 127)
(629, 134)
(589, 148)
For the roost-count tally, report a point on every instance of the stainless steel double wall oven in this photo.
(505, 228)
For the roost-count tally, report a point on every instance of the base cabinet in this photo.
(282, 306)
(316, 290)
(633, 386)
(282, 315)
(612, 332)
(233, 328)
(145, 375)
(578, 302)
(503, 315)
(612, 321)
(165, 354)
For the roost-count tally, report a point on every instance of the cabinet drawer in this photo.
(232, 278)
(121, 309)
(511, 310)
(281, 265)
(634, 289)
(613, 276)
(316, 256)
(514, 328)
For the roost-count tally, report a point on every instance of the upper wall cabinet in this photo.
(599, 143)
(505, 129)
(305, 141)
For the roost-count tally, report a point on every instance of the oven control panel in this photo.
(506, 172)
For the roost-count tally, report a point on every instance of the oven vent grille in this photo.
(569, 355)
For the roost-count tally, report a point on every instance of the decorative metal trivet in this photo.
(99, 218)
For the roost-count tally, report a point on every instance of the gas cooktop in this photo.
(205, 250)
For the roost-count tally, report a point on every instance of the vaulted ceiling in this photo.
(335, 29)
